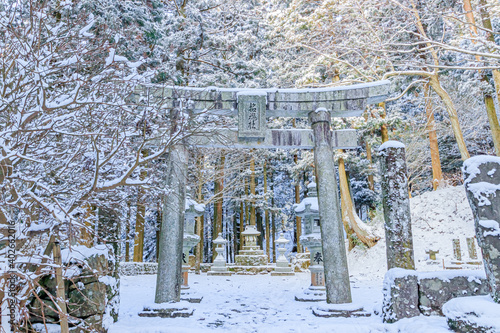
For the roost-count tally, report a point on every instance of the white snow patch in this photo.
(312, 202)
(490, 224)
(475, 309)
(391, 144)
(81, 252)
(482, 190)
(251, 92)
(471, 165)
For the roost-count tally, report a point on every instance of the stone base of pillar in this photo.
(347, 310)
(167, 310)
(312, 294)
(190, 296)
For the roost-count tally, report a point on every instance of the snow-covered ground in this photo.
(260, 303)
(263, 303)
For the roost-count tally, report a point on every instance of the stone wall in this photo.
(408, 293)
(137, 268)
(92, 291)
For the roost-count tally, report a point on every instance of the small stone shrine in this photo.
(282, 266)
(308, 210)
(219, 266)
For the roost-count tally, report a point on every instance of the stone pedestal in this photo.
(482, 183)
(282, 266)
(395, 198)
(219, 267)
(251, 255)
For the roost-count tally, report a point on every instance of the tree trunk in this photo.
(266, 214)
(139, 228)
(139, 219)
(127, 233)
(273, 215)
(383, 129)
(242, 225)
(87, 234)
(490, 104)
(437, 176)
(219, 190)
(488, 99)
(452, 113)
(252, 191)
(158, 231)
(348, 211)
(60, 290)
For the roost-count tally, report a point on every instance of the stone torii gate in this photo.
(252, 107)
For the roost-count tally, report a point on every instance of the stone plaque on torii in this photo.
(252, 107)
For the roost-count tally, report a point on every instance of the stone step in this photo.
(349, 310)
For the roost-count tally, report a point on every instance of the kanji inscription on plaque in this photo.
(251, 115)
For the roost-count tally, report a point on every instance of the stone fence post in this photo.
(395, 198)
(482, 184)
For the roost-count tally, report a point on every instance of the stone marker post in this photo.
(482, 185)
(338, 289)
(169, 278)
(396, 201)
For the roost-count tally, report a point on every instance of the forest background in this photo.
(83, 162)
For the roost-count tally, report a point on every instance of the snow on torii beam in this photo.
(253, 106)
(343, 101)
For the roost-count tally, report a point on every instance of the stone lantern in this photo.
(251, 255)
(190, 239)
(282, 267)
(219, 265)
(308, 210)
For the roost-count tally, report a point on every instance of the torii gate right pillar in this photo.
(338, 289)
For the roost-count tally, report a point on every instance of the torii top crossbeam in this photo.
(253, 106)
(343, 101)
